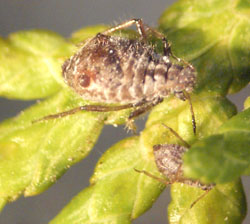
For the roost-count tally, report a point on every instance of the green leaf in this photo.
(117, 193)
(247, 103)
(30, 64)
(222, 157)
(214, 35)
(34, 155)
(210, 112)
(3, 201)
(223, 204)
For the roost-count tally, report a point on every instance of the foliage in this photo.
(214, 36)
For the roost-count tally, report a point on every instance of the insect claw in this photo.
(130, 126)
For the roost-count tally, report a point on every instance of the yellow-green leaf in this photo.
(30, 64)
(223, 204)
(222, 157)
(215, 36)
(34, 155)
(118, 194)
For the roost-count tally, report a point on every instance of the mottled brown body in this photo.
(112, 69)
(168, 159)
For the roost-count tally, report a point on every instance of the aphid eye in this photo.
(83, 80)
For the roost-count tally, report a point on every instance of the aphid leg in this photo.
(187, 96)
(177, 135)
(94, 108)
(166, 46)
(143, 108)
(168, 52)
(138, 22)
(200, 197)
(171, 182)
(130, 126)
(153, 176)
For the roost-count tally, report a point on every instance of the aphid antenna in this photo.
(153, 176)
(139, 25)
(200, 197)
(177, 135)
(187, 96)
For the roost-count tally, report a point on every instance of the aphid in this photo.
(113, 69)
(168, 159)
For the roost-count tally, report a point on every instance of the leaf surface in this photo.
(223, 204)
(118, 194)
(112, 198)
(214, 35)
(222, 157)
(34, 155)
(30, 64)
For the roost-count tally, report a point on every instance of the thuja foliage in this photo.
(214, 36)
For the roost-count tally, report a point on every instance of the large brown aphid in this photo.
(113, 69)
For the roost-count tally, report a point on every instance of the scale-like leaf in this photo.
(118, 193)
(214, 35)
(30, 64)
(34, 155)
(210, 113)
(223, 204)
(222, 157)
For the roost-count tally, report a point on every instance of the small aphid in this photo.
(113, 69)
(168, 159)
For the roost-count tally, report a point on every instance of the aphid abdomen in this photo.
(159, 81)
(149, 81)
(111, 69)
(135, 78)
(168, 158)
